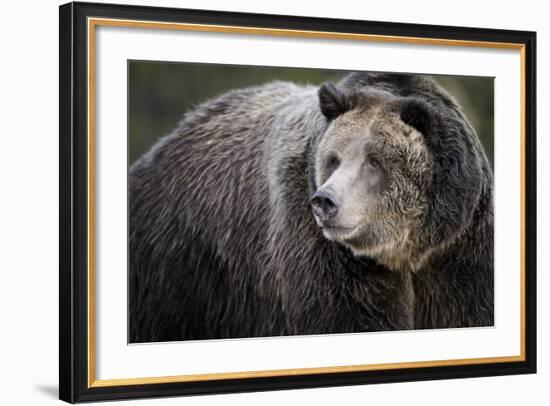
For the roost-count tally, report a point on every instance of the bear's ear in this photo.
(416, 113)
(332, 101)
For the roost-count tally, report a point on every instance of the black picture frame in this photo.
(74, 383)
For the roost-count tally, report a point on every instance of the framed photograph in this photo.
(258, 202)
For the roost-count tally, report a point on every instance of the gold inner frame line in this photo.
(92, 23)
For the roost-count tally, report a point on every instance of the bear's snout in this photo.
(324, 205)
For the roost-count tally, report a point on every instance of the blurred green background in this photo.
(160, 92)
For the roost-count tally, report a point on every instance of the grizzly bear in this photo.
(284, 209)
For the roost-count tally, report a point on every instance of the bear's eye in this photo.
(333, 162)
(373, 162)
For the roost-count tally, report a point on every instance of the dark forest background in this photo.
(160, 92)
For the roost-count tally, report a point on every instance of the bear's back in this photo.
(208, 180)
(199, 207)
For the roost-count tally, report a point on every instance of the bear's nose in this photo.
(324, 205)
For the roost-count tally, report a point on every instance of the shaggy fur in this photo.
(223, 242)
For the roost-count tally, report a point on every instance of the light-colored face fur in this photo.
(376, 169)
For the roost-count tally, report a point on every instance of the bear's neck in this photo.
(454, 287)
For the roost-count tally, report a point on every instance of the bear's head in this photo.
(394, 177)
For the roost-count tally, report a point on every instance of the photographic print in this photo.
(255, 202)
(268, 201)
